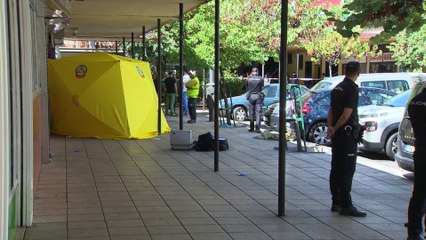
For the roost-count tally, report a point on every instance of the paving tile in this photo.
(122, 216)
(197, 221)
(125, 231)
(50, 218)
(87, 224)
(214, 228)
(211, 236)
(165, 230)
(87, 232)
(132, 237)
(125, 223)
(39, 231)
(85, 217)
(172, 237)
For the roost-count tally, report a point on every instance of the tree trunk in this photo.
(330, 69)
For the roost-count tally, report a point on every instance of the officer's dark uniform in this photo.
(417, 206)
(344, 145)
(254, 87)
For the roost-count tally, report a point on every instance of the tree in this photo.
(391, 15)
(409, 50)
(331, 46)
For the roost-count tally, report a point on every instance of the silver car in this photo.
(381, 123)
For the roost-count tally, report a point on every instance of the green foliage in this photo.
(330, 45)
(391, 15)
(409, 50)
(234, 84)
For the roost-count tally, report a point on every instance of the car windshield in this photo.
(399, 100)
(321, 85)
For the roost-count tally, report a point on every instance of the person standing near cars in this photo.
(185, 79)
(255, 98)
(417, 205)
(342, 116)
(171, 91)
(193, 88)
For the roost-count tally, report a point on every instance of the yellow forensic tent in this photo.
(104, 96)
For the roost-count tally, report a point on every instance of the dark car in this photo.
(315, 106)
(405, 149)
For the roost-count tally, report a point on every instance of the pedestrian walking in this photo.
(193, 88)
(255, 98)
(417, 205)
(343, 126)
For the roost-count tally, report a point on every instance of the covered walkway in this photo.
(141, 189)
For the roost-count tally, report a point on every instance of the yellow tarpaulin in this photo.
(104, 96)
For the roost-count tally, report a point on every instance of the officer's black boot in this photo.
(258, 129)
(251, 126)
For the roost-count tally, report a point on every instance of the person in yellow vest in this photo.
(193, 87)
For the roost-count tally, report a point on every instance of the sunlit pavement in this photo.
(141, 189)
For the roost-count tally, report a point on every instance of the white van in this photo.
(394, 82)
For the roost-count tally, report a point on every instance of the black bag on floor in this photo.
(204, 143)
(223, 144)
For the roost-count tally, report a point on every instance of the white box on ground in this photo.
(181, 139)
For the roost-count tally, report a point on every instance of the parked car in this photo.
(315, 106)
(381, 123)
(394, 82)
(405, 142)
(239, 105)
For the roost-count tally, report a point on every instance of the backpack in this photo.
(204, 143)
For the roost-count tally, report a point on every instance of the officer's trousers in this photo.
(343, 164)
(255, 109)
(417, 206)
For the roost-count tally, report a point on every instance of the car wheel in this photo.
(391, 145)
(318, 134)
(239, 114)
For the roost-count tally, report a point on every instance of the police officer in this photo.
(342, 116)
(255, 98)
(417, 206)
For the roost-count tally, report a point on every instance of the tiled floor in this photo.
(141, 189)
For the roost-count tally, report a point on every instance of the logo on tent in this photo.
(140, 71)
(80, 71)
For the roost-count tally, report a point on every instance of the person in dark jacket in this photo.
(342, 116)
(417, 205)
(255, 98)
(171, 93)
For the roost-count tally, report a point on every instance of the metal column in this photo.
(133, 45)
(159, 75)
(283, 86)
(143, 44)
(181, 65)
(216, 85)
(124, 47)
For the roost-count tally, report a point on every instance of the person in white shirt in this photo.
(185, 79)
